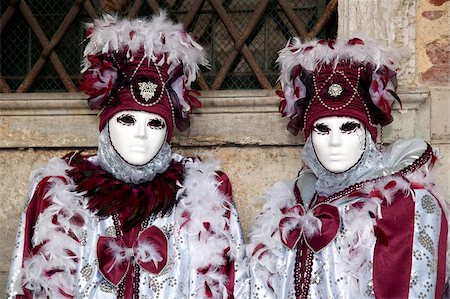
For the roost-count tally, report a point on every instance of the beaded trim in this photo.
(136, 279)
(302, 270)
(409, 169)
(135, 266)
(163, 85)
(355, 92)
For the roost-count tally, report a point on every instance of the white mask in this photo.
(137, 136)
(338, 142)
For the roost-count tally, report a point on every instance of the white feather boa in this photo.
(202, 215)
(50, 270)
(265, 244)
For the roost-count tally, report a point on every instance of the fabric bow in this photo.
(149, 251)
(319, 226)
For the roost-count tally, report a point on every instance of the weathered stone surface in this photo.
(390, 21)
(232, 117)
(433, 15)
(441, 173)
(432, 31)
(439, 55)
(440, 112)
(438, 2)
(3, 279)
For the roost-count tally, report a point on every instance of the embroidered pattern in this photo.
(107, 287)
(83, 237)
(147, 90)
(428, 204)
(111, 231)
(335, 90)
(86, 272)
(426, 241)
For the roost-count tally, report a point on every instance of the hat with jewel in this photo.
(141, 65)
(353, 77)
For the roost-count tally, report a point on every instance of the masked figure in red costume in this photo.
(135, 220)
(357, 222)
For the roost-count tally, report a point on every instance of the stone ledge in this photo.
(241, 117)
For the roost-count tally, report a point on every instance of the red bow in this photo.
(318, 226)
(149, 251)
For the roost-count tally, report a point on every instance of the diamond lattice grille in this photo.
(41, 42)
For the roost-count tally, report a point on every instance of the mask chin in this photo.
(109, 160)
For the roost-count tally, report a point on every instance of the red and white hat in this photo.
(142, 65)
(352, 77)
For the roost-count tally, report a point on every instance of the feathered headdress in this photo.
(141, 64)
(354, 77)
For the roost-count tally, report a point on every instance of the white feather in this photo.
(55, 167)
(311, 55)
(157, 35)
(356, 246)
(202, 219)
(265, 231)
(51, 268)
(44, 278)
(119, 253)
(148, 252)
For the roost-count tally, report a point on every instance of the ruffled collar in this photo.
(132, 202)
(329, 183)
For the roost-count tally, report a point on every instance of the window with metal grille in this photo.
(42, 41)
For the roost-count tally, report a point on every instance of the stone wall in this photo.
(241, 128)
(433, 72)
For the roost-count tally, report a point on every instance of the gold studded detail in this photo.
(83, 237)
(111, 231)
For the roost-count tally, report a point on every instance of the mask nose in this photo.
(141, 130)
(335, 138)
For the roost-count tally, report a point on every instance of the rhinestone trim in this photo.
(335, 90)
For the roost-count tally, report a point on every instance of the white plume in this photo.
(157, 35)
(147, 251)
(202, 217)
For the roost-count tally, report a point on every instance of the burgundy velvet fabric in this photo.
(327, 214)
(116, 271)
(349, 103)
(127, 85)
(393, 248)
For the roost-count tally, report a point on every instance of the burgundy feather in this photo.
(133, 202)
